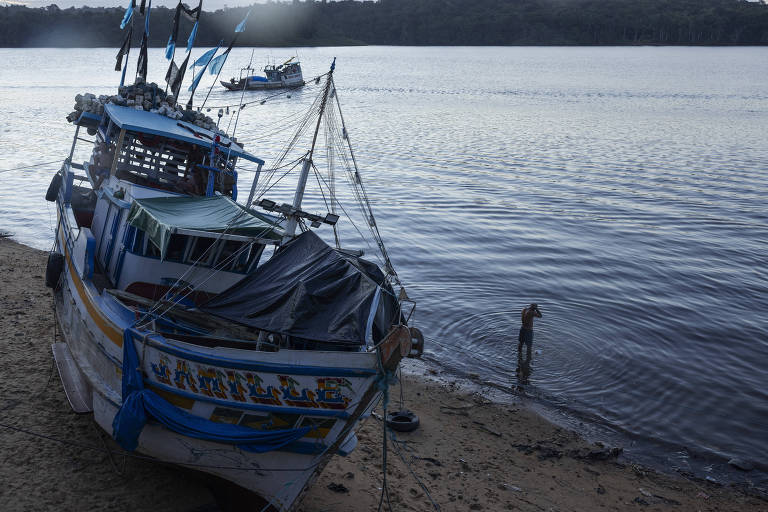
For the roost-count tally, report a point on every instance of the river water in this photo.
(623, 189)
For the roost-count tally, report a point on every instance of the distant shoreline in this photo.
(532, 45)
(406, 23)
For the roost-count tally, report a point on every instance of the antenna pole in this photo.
(322, 107)
(290, 229)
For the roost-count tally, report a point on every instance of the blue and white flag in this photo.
(241, 26)
(170, 48)
(128, 14)
(196, 80)
(146, 17)
(202, 61)
(218, 63)
(205, 58)
(192, 36)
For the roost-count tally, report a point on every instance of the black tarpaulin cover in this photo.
(312, 291)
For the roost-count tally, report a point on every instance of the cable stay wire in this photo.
(335, 134)
(30, 166)
(334, 145)
(373, 225)
(349, 217)
(308, 83)
(290, 118)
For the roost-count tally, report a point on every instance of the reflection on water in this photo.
(523, 370)
(621, 188)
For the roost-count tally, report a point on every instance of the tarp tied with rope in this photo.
(160, 217)
(312, 291)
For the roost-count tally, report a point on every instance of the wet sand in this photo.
(470, 454)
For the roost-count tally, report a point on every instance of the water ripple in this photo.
(623, 189)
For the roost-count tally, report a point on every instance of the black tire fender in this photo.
(53, 270)
(403, 421)
(53, 188)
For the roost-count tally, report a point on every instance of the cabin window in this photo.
(153, 251)
(245, 261)
(236, 256)
(266, 253)
(227, 255)
(177, 245)
(253, 258)
(138, 242)
(201, 250)
(240, 262)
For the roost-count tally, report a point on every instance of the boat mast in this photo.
(293, 218)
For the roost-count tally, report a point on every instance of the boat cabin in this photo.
(154, 209)
(286, 73)
(164, 153)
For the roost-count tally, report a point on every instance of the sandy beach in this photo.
(468, 454)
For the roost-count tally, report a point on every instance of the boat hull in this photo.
(330, 391)
(261, 86)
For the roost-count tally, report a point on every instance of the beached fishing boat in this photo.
(223, 337)
(287, 75)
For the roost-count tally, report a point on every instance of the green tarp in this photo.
(160, 217)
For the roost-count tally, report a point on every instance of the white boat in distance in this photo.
(284, 76)
(183, 338)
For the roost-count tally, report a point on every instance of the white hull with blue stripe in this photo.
(277, 476)
(210, 335)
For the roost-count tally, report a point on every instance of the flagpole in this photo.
(141, 65)
(127, 54)
(174, 35)
(128, 16)
(173, 56)
(175, 84)
(239, 29)
(196, 79)
(217, 74)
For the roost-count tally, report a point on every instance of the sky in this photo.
(208, 5)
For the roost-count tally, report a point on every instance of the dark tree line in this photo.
(412, 22)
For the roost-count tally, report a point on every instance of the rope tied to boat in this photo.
(383, 381)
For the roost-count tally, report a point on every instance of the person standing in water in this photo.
(526, 330)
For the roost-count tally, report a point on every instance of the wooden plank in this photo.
(76, 388)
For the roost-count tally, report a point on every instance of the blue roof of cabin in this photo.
(155, 124)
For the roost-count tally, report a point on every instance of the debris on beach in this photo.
(340, 488)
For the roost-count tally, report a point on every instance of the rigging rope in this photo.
(193, 287)
(374, 227)
(395, 443)
(351, 221)
(309, 83)
(30, 166)
(383, 382)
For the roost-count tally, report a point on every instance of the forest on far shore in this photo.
(411, 22)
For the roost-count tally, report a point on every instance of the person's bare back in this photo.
(528, 314)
